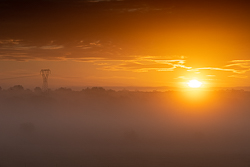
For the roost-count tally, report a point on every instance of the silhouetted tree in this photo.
(86, 90)
(38, 90)
(28, 91)
(94, 90)
(64, 89)
(98, 89)
(16, 88)
(111, 91)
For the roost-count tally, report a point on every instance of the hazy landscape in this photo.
(98, 127)
(124, 83)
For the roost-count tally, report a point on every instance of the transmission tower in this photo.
(45, 74)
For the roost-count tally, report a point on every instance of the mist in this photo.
(99, 127)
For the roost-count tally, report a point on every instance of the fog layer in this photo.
(98, 127)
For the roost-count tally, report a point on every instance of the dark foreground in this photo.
(100, 128)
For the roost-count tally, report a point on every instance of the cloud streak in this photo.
(78, 51)
(145, 64)
(52, 47)
(107, 56)
(235, 66)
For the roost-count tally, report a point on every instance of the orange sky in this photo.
(125, 43)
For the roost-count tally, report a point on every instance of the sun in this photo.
(194, 83)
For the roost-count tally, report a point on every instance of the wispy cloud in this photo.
(145, 64)
(89, 45)
(52, 47)
(238, 76)
(20, 50)
(243, 64)
(88, 59)
(105, 55)
(235, 66)
(139, 9)
(16, 57)
(10, 41)
(108, 56)
(216, 69)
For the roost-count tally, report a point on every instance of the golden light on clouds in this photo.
(147, 43)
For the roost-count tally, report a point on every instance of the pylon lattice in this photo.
(45, 74)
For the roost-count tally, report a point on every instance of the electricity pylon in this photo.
(45, 74)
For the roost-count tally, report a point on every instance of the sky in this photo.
(146, 43)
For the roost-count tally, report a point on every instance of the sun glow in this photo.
(194, 83)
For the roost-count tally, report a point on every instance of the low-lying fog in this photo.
(98, 127)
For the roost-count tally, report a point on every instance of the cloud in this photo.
(110, 77)
(234, 66)
(244, 64)
(238, 76)
(233, 61)
(52, 47)
(182, 77)
(16, 57)
(137, 64)
(106, 56)
(10, 41)
(139, 9)
(216, 69)
(13, 44)
(24, 47)
(20, 50)
(240, 67)
(89, 59)
(89, 45)
(144, 64)
(210, 75)
(17, 48)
